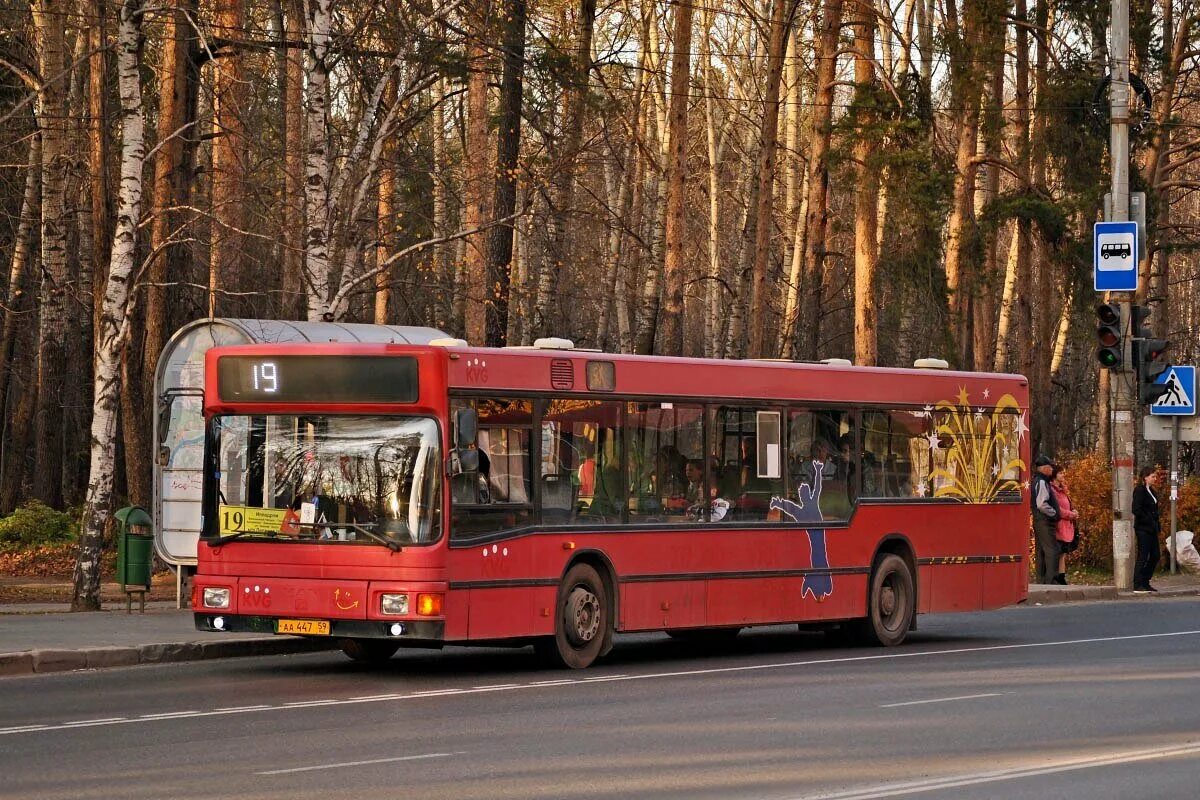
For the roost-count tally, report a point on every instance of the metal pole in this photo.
(1121, 396)
(1174, 491)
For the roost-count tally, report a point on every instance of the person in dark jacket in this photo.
(1045, 519)
(1147, 528)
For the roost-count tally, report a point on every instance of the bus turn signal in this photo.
(429, 605)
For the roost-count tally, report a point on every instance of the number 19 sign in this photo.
(1115, 257)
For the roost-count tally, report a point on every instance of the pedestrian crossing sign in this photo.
(1180, 397)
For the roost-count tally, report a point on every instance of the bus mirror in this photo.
(462, 461)
(466, 421)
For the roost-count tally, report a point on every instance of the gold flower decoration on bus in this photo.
(976, 450)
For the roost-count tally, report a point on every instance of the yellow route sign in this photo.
(248, 519)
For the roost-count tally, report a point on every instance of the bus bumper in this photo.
(427, 633)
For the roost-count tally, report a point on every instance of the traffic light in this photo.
(1108, 335)
(1146, 354)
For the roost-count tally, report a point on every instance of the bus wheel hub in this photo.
(887, 601)
(584, 609)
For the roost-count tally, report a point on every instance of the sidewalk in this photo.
(1181, 585)
(44, 637)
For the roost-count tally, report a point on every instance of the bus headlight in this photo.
(216, 598)
(393, 603)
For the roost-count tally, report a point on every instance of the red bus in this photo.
(393, 495)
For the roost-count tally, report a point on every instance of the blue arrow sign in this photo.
(1115, 257)
(1180, 397)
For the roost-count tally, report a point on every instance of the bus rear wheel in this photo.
(890, 602)
(369, 651)
(582, 624)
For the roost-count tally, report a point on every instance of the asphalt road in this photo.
(1093, 700)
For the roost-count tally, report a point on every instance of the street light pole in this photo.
(1120, 386)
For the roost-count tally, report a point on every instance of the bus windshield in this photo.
(356, 479)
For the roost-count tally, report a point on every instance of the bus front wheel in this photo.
(582, 627)
(369, 651)
(890, 602)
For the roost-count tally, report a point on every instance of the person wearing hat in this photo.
(1045, 519)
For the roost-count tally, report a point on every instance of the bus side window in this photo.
(497, 496)
(896, 451)
(580, 459)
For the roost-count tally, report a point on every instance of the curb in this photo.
(31, 662)
(1070, 594)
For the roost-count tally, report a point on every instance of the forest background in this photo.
(879, 180)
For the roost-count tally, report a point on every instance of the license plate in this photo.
(307, 627)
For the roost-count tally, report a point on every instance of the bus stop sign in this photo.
(1115, 257)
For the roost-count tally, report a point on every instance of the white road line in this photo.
(553, 683)
(615, 678)
(376, 697)
(77, 722)
(941, 700)
(258, 707)
(355, 763)
(974, 779)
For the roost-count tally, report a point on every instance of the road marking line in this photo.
(375, 697)
(942, 700)
(647, 676)
(231, 709)
(78, 722)
(553, 683)
(356, 763)
(1014, 773)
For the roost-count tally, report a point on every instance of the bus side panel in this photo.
(1005, 584)
(458, 614)
(957, 587)
(924, 585)
(501, 613)
(662, 605)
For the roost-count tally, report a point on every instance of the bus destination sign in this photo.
(317, 379)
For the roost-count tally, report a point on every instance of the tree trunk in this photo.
(673, 263)
(101, 192)
(818, 179)
(443, 267)
(508, 148)
(110, 338)
(178, 81)
(52, 323)
(866, 205)
(562, 183)
(477, 186)
(782, 12)
(15, 302)
(385, 228)
(227, 248)
(316, 161)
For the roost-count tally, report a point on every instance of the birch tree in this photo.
(114, 320)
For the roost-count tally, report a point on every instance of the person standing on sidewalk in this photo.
(1147, 528)
(1065, 531)
(1045, 519)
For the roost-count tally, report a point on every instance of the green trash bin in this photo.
(135, 547)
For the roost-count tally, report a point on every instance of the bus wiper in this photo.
(379, 537)
(370, 534)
